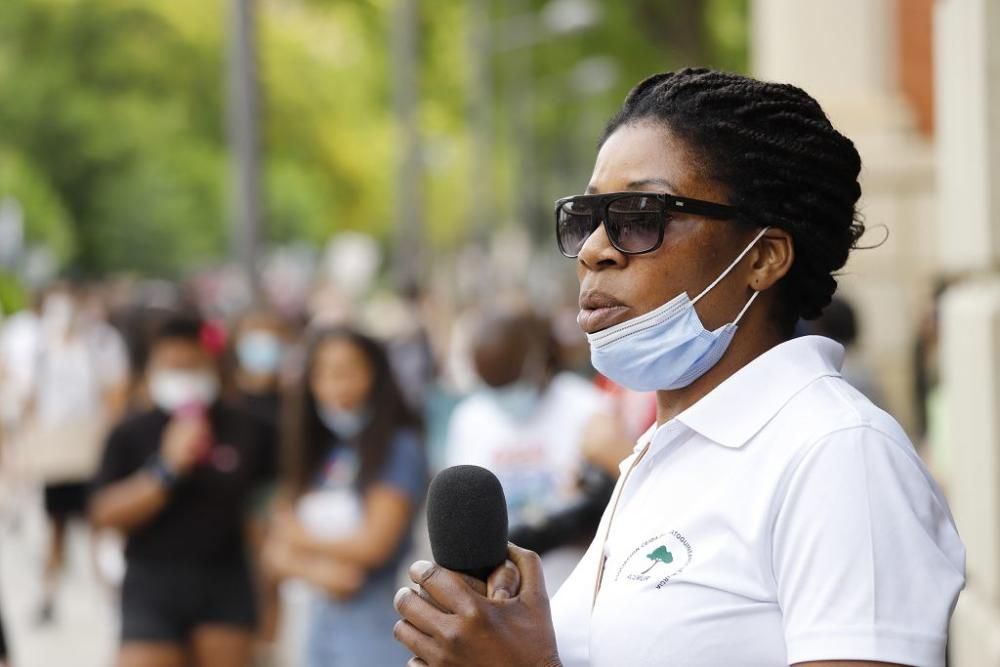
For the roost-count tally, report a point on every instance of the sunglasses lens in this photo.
(635, 224)
(573, 226)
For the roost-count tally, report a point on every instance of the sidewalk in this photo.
(84, 630)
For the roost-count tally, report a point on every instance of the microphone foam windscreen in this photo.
(467, 520)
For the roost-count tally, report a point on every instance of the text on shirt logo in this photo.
(663, 556)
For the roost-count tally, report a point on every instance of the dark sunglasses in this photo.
(634, 221)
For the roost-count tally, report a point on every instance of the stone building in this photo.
(916, 84)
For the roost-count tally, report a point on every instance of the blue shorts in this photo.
(356, 632)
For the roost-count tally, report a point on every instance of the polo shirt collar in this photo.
(736, 410)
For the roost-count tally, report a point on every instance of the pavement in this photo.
(83, 631)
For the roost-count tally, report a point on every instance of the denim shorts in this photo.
(356, 632)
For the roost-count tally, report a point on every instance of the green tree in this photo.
(112, 129)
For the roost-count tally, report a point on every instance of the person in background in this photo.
(19, 341)
(256, 356)
(78, 387)
(527, 425)
(410, 351)
(839, 322)
(260, 342)
(929, 392)
(354, 478)
(176, 479)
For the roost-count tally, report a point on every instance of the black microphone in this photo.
(467, 520)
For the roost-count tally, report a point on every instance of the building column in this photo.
(844, 53)
(967, 78)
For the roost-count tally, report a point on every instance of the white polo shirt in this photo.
(781, 519)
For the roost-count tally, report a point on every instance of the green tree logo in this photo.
(659, 555)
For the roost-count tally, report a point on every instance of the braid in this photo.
(783, 163)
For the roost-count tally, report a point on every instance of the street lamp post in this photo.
(409, 169)
(515, 36)
(243, 140)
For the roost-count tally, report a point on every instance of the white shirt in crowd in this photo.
(73, 373)
(781, 519)
(537, 459)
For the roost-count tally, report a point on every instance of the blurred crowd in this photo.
(251, 482)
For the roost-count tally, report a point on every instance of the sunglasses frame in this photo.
(671, 203)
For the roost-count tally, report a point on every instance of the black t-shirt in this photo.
(203, 520)
(267, 408)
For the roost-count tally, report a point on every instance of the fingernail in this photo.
(501, 594)
(400, 594)
(421, 568)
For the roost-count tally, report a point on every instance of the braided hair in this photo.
(783, 163)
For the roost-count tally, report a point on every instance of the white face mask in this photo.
(173, 390)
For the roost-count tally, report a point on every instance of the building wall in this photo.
(931, 176)
(967, 83)
(845, 53)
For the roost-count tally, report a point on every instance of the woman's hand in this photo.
(456, 625)
(281, 559)
(184, 442)
(286, 527)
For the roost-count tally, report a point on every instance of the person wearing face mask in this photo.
(527, 425)
(176, 479)
(259, 348)
(355, 474)
(773, 515)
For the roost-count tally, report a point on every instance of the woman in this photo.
(176, 479)
(260, 345)
(773, 516)
(356, 475)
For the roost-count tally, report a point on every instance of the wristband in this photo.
(162, 472)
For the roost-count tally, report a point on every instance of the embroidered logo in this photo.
(663, 556)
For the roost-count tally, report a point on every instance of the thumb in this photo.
(529, 565)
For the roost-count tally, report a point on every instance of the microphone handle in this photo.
(482, 573)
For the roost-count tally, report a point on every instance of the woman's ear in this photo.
(773, 258)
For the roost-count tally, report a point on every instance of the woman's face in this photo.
(615, 287)
(341, 377)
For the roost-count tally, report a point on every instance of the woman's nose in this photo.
(598, 253)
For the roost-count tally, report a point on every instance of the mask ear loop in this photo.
(746, 308)
(730, 268)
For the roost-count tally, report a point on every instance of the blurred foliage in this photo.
(112, 124)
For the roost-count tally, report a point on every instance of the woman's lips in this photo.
(599, 310)
(592, 320)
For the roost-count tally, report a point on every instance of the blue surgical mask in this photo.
(345, 424)
(260, 352)
(668, 348)
(518, 400)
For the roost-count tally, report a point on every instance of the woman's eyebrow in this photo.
(634, 185)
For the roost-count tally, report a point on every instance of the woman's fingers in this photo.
(424, 615)
(504, 582)
(448, 589)
(413, 639)
(529, 565)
